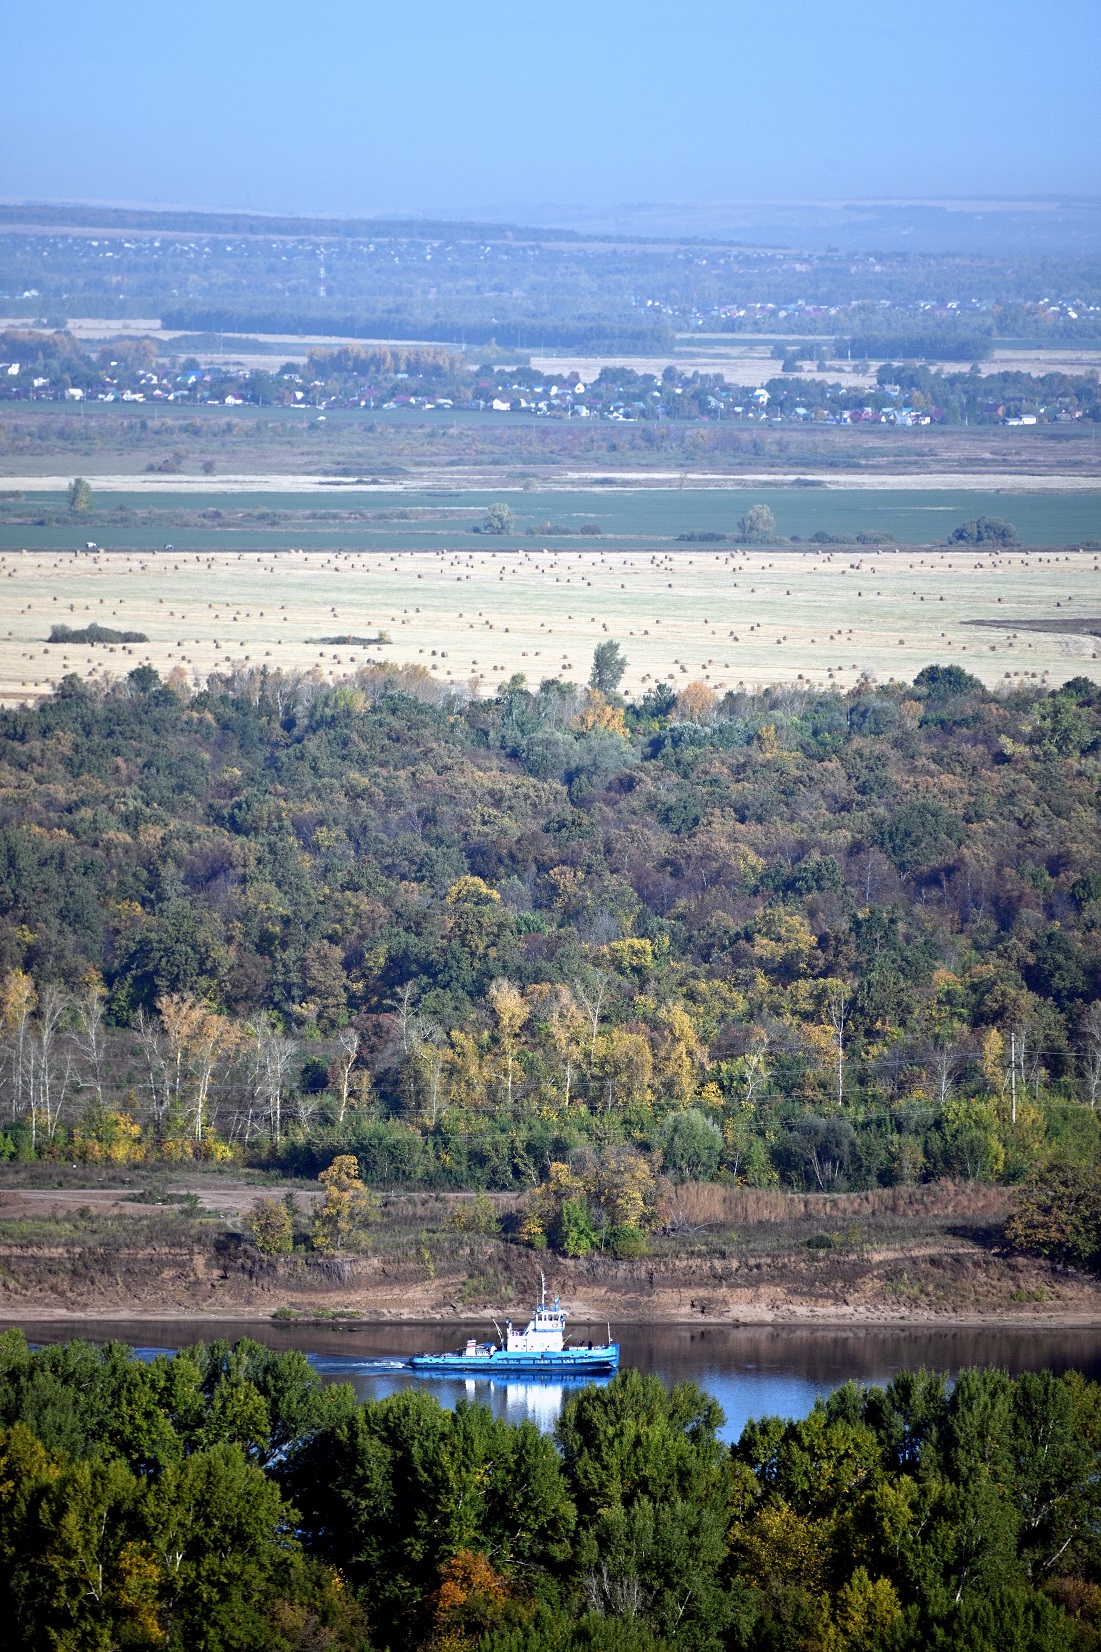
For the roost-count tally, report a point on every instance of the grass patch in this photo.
(311, 1315)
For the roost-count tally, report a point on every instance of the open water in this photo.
(751, 1371)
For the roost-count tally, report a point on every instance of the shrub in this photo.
(1058, 1214)
(692, 1146)
(269, 1225)
(576, 1236)
(984, 530)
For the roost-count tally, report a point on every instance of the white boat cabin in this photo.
(545, 1333)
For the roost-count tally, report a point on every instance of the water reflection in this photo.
(751, 1371)
(538, 1402)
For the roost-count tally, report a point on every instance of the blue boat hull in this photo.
(571, 1362)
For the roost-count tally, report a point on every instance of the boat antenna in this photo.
(543, 1282)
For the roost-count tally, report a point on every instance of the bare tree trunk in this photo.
(89, 1036)
(51, 1085)
(945, 1063)
(1091, 1053)
(278, 1053)
(157, 1064)
(19, 1001)
(402, 1005)
(591, 998)
(349, 1044)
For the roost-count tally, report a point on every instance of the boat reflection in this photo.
(516, 1400)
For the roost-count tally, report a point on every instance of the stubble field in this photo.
(730, 618)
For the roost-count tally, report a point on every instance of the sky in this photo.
(436, 107)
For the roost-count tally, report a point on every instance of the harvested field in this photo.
(730, 617)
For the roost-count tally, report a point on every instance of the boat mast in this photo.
(543, 1283)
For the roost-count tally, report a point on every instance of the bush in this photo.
(93, 633)
(269, 1224)
(984, 530)
(1058, 1215)
(498, 519)
(576, 1236)
(477, 1215)
(625, 1243)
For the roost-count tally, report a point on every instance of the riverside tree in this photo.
(227, 1500)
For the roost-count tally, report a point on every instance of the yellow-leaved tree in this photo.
(348, 1209)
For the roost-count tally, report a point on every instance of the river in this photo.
(752, 1371)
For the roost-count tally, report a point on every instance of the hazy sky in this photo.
(352, 106)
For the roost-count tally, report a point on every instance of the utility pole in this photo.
(1013, 1077)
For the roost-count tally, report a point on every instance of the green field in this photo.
(645, 518)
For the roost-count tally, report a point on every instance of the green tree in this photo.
(223, 1547)
(269, 1223)
(650, 1480)
(499, 518)
(80, 495)
(984, 530)
(1057, 1213)
(692, 1145)
(404, 1486)
(756, 524)
(609, 664)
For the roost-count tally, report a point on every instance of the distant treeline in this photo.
(94, 633)
(456, 328)
(903, 343)
(54, 215)
(456, 282)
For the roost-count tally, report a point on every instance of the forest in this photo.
(223, 1500)
(554, 940)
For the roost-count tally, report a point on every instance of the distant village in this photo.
(52, 366)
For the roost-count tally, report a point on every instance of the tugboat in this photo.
(538, 1351)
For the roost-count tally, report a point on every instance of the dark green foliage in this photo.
(1057, 1213)
(404, 1486)
(651, 1487)
(941, 682)
(692, 1146)
(225, 1501)
(984, 530)
(94, 633)
(920, 834)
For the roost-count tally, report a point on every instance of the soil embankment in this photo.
(930, 1254)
